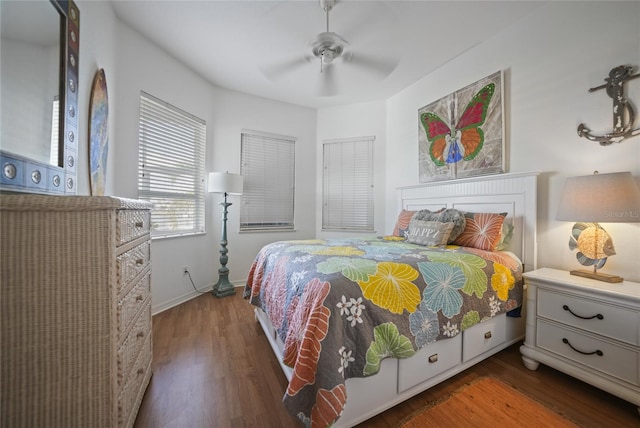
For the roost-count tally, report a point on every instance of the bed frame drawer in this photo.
(428, 362)
(482, 337)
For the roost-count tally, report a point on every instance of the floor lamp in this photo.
(229, 184)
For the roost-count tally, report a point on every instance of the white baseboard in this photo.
(163, 306)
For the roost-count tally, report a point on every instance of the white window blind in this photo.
(171, 167)
(268, 168)
(347, 192)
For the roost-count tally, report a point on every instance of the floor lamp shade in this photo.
(224, 182)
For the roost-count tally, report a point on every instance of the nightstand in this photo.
(585, 328)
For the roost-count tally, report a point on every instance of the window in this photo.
(267, 165)
(347, 191)
(171, 167)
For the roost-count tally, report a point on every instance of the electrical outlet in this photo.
(185, 269)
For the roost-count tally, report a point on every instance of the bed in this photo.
(361, 324)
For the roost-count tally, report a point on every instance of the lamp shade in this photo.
(606, 198)
(223, 182)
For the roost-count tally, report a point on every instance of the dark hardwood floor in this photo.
(213, 367)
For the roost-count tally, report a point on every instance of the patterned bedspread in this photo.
(342, 306)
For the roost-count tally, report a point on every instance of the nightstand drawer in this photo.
(597, 317)
(606, 357)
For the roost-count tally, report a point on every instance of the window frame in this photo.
(168, 135)
(348, 200)
(262, 187)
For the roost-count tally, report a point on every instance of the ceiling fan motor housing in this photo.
(328, 46)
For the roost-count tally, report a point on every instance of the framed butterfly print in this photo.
(462, 134)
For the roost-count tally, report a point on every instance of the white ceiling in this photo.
(243, 45)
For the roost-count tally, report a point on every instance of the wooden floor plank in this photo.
(213, 367)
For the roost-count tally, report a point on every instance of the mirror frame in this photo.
(21, 174)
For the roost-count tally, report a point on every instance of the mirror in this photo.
(39, 86)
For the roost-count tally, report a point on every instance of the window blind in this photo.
(347, 192)
(268, 169)
(171, 167)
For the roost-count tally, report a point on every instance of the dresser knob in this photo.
(139, 297)
(139, 224)
(140, 334)
(139, 261)
(433, 358)
(487, 335)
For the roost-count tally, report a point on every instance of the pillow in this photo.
(447, 215)
(505, 237)
(429, 233)
(402, 225)
(482, 230)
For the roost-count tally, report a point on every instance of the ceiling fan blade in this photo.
(278, 70)
(378, 66)
(327, 84)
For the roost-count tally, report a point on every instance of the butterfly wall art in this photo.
(461, 135)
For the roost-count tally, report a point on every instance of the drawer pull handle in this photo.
(598, 352)
(140, 334)
(487, 335)
(139, 224)
(566, 308)
(433, 358)
(139, 261)
(139, 297)
(140, 371)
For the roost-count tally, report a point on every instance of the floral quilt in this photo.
(342, 306)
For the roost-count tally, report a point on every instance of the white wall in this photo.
(550, 59)
(132, 63)
(357, 120)
(98, 29)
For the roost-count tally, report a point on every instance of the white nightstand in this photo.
(586, 328)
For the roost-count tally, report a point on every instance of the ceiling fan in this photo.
(328, 46)
(327, 49)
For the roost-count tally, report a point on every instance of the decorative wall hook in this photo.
(624, 114)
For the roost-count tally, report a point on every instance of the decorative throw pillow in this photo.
(505, 237)
(445, 215)
(429, 233)
(402, 225)
(482, 230)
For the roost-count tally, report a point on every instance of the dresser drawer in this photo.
(131, 304)
(130, 263)
(428, 362)
(482, 337)
(604, 356)
(131, 224)
(133, 344)
(612, 321)
(131, 394)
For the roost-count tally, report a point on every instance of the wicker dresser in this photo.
(75, 310)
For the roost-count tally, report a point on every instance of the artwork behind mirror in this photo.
(39, 69)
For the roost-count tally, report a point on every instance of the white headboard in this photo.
(513, 193)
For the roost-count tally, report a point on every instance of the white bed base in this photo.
(398, 380)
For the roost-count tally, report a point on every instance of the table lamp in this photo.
(229, 184)
(607, 198)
